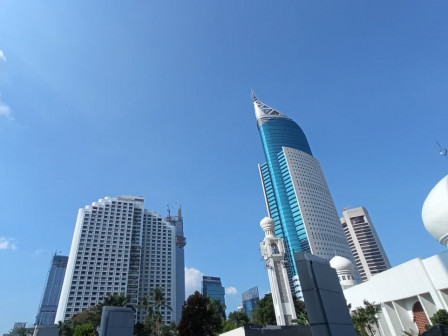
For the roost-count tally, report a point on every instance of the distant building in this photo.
(212, 288)
(296, 192)
(120, 247)
(50, 299)
(178, 223)
(19, 325)
(364, 242)
(250, 299)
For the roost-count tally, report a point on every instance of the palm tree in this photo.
(152, 307)
(372, 312)
(365, 318)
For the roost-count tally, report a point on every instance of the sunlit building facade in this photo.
(296, 192)
(120, 247)
(366, 247)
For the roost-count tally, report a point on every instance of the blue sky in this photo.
(153, 98)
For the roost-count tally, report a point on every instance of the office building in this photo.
(250, 299)
(52, 292)
(120, 247)
(296, 192)
(364, 242)
(212, 288)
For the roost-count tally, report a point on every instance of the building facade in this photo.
(296, 192)
(212, 288)
(409, 294)
(364, 242)
(120, 247)
(52, 291)
(250, 299)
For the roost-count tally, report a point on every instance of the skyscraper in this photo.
(250, 299)
(52, 291)
(364, 242)
(120, 247)
(296, 192)
(178, 223)
(212, 288)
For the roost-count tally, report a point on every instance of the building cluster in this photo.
(119, 246)
(303, 216)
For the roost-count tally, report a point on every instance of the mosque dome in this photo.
(435, 211)
(342, 265)
(267, 224)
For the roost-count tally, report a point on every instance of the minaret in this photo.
(273, 252)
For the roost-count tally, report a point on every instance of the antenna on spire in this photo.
(168, 210)
(442, 151)
(254, 97)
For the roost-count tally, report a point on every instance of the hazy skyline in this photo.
(153, 98)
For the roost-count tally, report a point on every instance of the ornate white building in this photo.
(410, 293)
(273, 252)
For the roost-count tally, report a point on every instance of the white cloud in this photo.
(193, 278)
(7, 243)
(41, 252)
(5, 110)
(2, 57)
(231, 291)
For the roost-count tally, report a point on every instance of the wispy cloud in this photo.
(40, 252)
(193, 278)
(2, 57)
(5, 110)
(7, 243)
(231, 291)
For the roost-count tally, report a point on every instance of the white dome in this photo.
(435, 211)
(267, 224)
(342, 264)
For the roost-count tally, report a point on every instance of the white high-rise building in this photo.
(296, 192)
(120, 247)
(364, 242)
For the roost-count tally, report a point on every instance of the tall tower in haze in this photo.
(181, 241)
(296, 192)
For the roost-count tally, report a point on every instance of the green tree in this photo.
(302, 316)
(366, 318)
(199, 317)
(170, 330)
(239, 318)
(20, 331)
(85, 330)
(263, 313)
(360, 320)
(440, 317)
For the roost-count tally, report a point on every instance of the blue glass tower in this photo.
(212, 288)
(250, 299)
(296, 192)
(53, 287)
